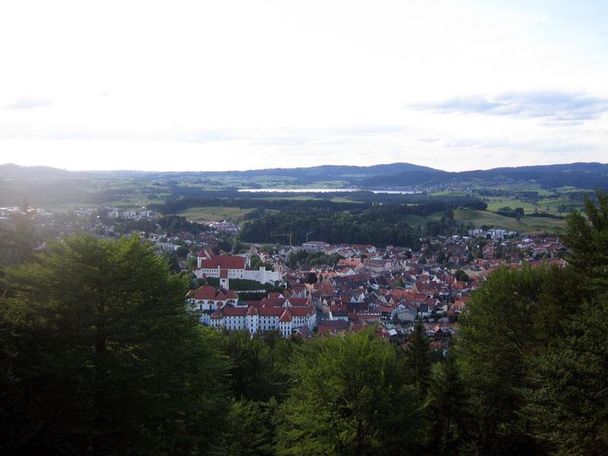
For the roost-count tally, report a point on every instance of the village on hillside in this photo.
(316, 288)
(391, 288)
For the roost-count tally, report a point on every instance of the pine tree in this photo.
(418, 358)
(568, 397)
(446, 407)
(587, 240)
(494, 342)
(99, 355)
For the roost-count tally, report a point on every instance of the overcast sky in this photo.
(227, 84)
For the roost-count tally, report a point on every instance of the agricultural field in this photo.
(491, 219)
(525, 224)
(496, 203)
(553, 204)
(216, 214)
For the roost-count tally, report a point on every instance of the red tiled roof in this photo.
(231, 294)
(234, 311)
(299, 302)
(285, 317)
(224, 262)
(270, 311)
(337, 308)
(204, 292)
(208, 292)
(252, 311)
(267, 302)
(324, 287)
(301, 311)
(327, 327)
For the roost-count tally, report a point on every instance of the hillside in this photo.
(12, 171)
(386, 176)
(552, 190)
(580, 175)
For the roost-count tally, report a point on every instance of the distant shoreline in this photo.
(326, 190)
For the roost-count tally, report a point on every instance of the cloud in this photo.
(30, 102)
(327, 136)
(549, 105)
(520, 145)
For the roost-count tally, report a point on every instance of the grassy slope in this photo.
(547, 204)
(478, 218)
(233, 214)
(526, 224)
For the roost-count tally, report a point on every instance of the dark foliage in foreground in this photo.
(99, 357)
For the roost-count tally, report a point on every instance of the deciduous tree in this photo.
(350, 397)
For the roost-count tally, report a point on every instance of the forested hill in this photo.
(12, 171)
(334, 172)
(386, 176)
(580, 175)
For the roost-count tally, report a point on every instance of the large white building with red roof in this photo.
(275, 313)
(208, 298)
(228, 267)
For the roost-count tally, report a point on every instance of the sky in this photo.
(248, 84)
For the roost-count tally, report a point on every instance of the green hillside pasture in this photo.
(215, 214)
(552, 204)
(496, 203)
(526, 224)
(548, 204)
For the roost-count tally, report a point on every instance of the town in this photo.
(316, 289)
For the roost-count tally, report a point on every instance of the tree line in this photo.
(380, 225)
(421, 203)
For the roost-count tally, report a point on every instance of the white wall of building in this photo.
(261, 275)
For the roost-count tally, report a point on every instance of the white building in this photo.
(208, 298)
(315, 246)
(233, 267)
(266, 316)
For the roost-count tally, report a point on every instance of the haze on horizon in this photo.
(250, 84)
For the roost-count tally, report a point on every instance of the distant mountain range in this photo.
(580, 175)
(386, 176)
